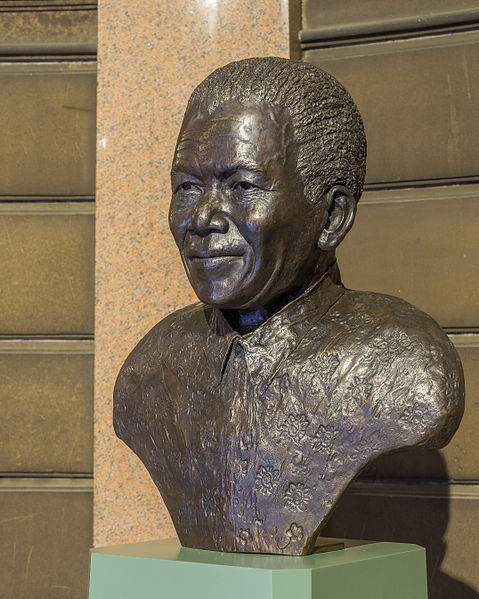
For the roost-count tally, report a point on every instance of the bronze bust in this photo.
(256, 407)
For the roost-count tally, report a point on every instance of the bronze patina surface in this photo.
(256, 407)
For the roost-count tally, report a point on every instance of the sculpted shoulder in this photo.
(414, 370)
(168, 336)
(145, 372)
(378, 316)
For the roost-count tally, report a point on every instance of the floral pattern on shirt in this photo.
(266, 480)
(328, 364)
(295, 532)
(416, 415)
(209, 435)
(360, 389)
(324, 437)
(297, 497)
(294, 427)
(240, 468)
(209, 502)
(300, 463)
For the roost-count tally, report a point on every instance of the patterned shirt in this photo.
(251, 440)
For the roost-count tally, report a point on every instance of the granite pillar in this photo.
(151, 55)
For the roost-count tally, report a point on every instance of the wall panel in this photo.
(47, 118)
(46, 271)
(47, 411)
(48, 31)
(384, 14)
(44, 542)
(419, 99)
(420, 245)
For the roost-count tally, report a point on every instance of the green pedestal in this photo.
(164, 570)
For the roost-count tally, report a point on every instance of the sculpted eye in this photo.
(186, 186)
(244, 185)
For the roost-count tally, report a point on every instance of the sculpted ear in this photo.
(340, 213)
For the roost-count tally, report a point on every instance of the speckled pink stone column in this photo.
(151, 56)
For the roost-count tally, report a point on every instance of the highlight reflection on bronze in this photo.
(256, 407)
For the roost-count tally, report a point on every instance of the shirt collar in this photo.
(268, 346)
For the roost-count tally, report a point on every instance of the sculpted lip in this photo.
(210, 254)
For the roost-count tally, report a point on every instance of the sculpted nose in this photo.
(208, 215)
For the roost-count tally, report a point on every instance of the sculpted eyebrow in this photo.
(230, 169)
(185, 139)
(182, 169)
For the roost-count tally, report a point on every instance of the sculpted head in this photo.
(268, 167)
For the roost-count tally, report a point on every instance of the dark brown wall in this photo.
(47, 118)
(412, 68)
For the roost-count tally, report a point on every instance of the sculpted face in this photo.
(245, 231)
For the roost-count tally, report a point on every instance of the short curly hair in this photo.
(328, 128)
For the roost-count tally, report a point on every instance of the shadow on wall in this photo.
(409, 518)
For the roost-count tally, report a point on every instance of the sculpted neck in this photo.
(248, 320)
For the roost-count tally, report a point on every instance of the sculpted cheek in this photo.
(181, 220)
(174, 224)
(178, 221)
(259, 220)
